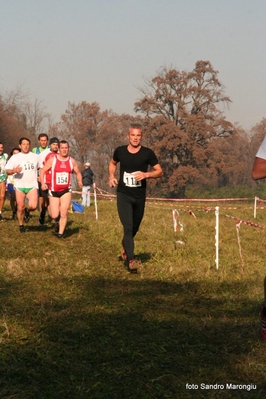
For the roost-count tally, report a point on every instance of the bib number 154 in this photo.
(61, 178)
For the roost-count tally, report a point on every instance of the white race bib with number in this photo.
(28, 166)
(61, 178)
(130, 181)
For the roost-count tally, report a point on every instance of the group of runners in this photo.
(42, 176)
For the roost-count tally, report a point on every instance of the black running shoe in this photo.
(1, 217)
(22, 229)
(60, 236)
(27, 215)
(41, 220)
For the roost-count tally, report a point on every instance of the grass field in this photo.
(75, 324)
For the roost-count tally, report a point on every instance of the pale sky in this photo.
(102, 50)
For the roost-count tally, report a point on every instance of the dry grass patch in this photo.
(75, 324)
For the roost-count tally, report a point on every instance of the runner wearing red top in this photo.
(61, 166)
(60, 176)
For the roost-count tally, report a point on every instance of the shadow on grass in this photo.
(46, 228)
(70, 232)
(113, 338)
(142, 256)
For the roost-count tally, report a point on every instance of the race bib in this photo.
(130, 181)
(62, 178)
(28, 166)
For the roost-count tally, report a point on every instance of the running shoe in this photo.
(123, 252)
(41, 220)
(263, 322)
(60, 236)
(27, 215)
(1, 217)
(22, 229)
(14, 216)
(133, 265)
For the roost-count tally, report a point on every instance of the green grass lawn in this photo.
(76, 324)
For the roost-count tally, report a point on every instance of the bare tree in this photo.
(183, 117)
(93, 135)
(29, 114)
(36, 118)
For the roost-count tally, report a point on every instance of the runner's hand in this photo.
(140, 176)
(113, 182)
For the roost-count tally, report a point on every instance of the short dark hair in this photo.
(63, 142)
(135, 125)
(23, 138)
(14, 149)
(42, 135)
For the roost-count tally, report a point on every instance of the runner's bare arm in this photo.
(17, 169)
(77, 171)
(259, 169)
(43, 170)
(112, 169)
(153, 174)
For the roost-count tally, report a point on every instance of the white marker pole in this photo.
(217, 237)
(174, 219)
(95, 201)
(255, 207)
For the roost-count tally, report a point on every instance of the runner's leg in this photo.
(20, 199)
(138, 212)
(45, 203)
(54, 207)
(65, 201)
(13, 204)
(2, 194)
(125, 212)
(33, 199)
